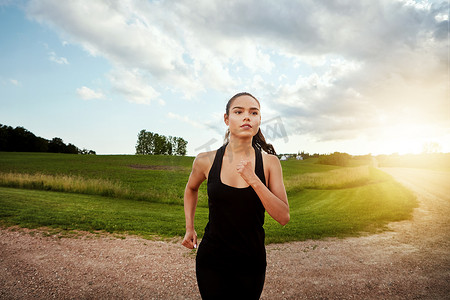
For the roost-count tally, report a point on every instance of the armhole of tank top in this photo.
(212, 175)
(260, 169)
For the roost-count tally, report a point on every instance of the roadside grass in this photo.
(68, 212)
(155, 178)
(333, 179)
(143, 195)
(316, 214)
(63, 183)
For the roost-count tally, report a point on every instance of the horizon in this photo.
(430, 149)
(327, 80)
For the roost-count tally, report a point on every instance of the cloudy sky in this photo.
(361, 76)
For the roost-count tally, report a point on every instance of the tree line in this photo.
(154, 144)
(20, 139)
(335, 159)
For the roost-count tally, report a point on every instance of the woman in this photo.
(243, 183)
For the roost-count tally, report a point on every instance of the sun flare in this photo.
(410, 139)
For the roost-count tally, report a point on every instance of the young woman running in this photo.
(242, 184)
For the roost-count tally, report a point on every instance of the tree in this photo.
(180, 146)
(56, 145)
(431, 147)
(160, 144)
(171, 144)
(20, 139)
(145, 143)
(40, 145)
(149, 143)
(86, 152)
(336, 159)
(303, 154)
(71, 148)
(5, 134)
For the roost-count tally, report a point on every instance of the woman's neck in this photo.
(240, 147)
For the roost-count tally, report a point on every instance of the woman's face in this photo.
(244, 117)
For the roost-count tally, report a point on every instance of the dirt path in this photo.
(410, 262)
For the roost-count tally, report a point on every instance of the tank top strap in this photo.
(259, 168)
(214, 173)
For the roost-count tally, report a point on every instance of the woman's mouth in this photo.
(246, 126)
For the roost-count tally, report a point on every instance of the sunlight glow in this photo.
(406, 138)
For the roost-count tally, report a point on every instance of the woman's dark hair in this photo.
(258, 140)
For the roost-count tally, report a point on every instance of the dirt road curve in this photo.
(410, 262)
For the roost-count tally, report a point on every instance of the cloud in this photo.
(133, 86)
(214, 124)
(390, 70)
(55, 58)
(131, 35)
(347, 67)
(10, 81)
(59, 60)
(14, 81)
(89, 94)
(185, 119)
(350, 99)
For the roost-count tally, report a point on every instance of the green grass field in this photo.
(143, 195)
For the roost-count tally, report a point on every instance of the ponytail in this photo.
(260, 143)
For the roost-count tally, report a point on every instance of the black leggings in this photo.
(223, 283)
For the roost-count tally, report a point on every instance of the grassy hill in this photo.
(144, 195)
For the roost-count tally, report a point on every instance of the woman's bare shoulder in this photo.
(204, 160)
(271, 164)
(202, 156)
(270, 159)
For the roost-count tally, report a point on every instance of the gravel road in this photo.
(411, 261)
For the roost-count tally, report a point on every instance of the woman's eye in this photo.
(237, 112)
(255, 113)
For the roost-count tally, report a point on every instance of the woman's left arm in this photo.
(273, 196)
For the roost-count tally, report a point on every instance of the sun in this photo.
(408, 139)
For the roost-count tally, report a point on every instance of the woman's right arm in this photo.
(198, 175)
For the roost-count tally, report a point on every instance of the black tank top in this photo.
(234, 233)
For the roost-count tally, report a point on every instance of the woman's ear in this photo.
(225, 119)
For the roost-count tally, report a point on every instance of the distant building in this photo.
(299, 157)
(283, 157)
